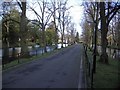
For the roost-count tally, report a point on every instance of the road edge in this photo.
(82, 83)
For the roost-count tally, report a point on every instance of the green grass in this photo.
(27, 60)
(106, 76)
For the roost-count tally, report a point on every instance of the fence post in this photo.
(18, 58)
(92, 78)
(90, 66)
(2, 63)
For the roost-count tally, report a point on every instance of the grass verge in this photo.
(107, 76)
(27, 60)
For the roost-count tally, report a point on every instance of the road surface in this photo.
(61, 70)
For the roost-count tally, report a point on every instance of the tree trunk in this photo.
(62, 41)
(104, 56)
(95, 52)
(56, 38)
(5, 43)
(54, 16)
(92, 37)
(44, 38)
(24, 48)
(63, 25)
(118, 37)
(95, 47)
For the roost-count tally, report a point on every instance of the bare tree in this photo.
(62, 17)
(112, 32)
(68, 23)
(23, 28)
(86, 32)
(93, 11)
(55, 8)
(72, 33)
(43, 18)
(89, 8)
(118, 34)
(107, 11)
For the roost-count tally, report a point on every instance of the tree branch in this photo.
(48, 18)
(19, 4)
(38, 16)
(113, 14)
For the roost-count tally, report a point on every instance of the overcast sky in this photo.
(76, 12)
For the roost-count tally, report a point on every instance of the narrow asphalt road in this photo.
(61, 70)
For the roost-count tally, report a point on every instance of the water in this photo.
(114, 53)
(32, 51)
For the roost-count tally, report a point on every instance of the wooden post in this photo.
(18, 58)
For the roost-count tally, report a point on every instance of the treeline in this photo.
(101, 26)
(53, 25)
